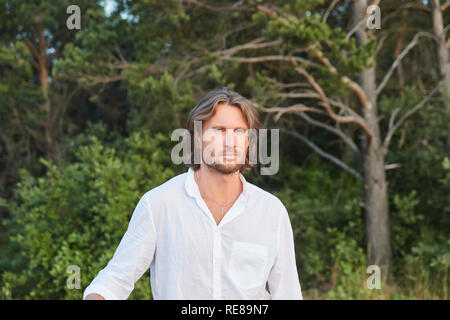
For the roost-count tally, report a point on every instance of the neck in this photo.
(221, 187)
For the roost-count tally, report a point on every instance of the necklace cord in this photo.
(221, 205)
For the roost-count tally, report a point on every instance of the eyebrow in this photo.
(218, 126)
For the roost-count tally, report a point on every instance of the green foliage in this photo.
(324, 211)
(420, 150)
(349, 271)
(76, 215)
(426, 267)
(162, 104)
(405, 223)
(426, 271)
(446, 182)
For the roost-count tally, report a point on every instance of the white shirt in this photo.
(248, 255)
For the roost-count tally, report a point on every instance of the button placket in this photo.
(217, 247)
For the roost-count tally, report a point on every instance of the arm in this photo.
(131, 259)
(283, 282)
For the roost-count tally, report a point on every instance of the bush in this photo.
(77, 214)
(325, 211)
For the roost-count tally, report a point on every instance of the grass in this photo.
(417, 283)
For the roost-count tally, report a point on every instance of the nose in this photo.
(230, 139)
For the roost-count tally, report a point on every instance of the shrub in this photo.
(77, 214)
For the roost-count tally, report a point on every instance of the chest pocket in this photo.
(247, 264)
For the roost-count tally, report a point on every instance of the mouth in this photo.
(229, 156)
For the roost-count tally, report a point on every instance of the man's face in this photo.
(225, 139)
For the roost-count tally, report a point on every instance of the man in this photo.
(208, 233)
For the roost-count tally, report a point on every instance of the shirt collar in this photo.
(193, 190)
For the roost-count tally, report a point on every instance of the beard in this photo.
(222, 166)
(225, 168)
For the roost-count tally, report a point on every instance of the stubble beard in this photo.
(225, 169)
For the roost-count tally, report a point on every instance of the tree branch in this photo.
(393, 128)
(252, 45)
(268, 58)
(323, 153)
(291, 109)
(394, 65)
(330, 8)
(33, 50)
(396, 9)
(355, 118)
(350, 83)
(208, 7)
(298, 95)
(336, 131)
(289, 85)
(313, 95)
(356, 27)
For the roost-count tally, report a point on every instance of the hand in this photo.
(94, 296)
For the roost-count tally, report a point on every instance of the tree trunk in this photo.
(375, 185)
(43, 78)
(442, 57)
(441, 49)
(398, 49)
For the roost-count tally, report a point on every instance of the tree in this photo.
(375, 184)
(441, 46)
(294, 45)
(41, 28)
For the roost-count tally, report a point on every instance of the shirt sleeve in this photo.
(131, 259)
(283, 281)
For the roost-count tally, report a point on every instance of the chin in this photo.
(226, 168)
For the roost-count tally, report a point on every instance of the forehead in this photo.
(227, 116)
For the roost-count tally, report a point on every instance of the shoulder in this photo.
(169, 190)
(264, 199)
